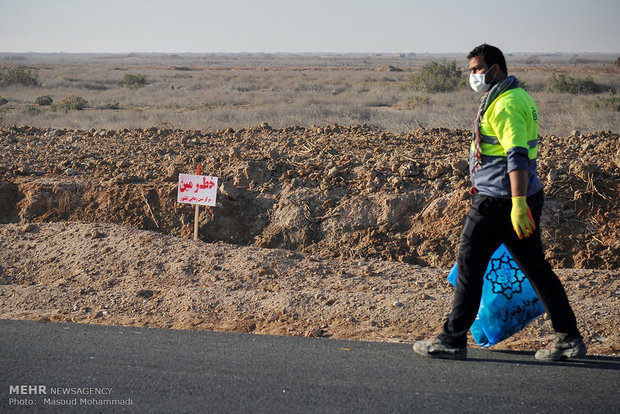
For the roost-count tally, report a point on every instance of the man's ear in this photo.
(490, 75)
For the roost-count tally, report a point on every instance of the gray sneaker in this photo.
(563, 347)
(437, 349)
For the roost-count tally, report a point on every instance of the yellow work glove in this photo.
(521, 217)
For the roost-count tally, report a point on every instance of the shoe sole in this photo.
(458, 355)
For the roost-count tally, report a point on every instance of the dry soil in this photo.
(333, 231)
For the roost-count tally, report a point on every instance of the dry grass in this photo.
(218, 91)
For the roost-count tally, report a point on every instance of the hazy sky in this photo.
(441, 26)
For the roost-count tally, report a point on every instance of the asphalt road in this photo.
(129, 369)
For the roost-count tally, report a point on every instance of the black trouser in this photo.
(487, 226)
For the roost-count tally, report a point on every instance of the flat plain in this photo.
(210, 92)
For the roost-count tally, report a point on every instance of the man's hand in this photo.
(521, 217)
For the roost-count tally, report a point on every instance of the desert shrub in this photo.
(44, 100)
(213, 105)
(533, 60)
(437, 77)
(133, 80)
(600, 102)
(3, 101)
(31, 109)
(93, 86)
(298, 88)
(563, 83)
(111, 105)
(417, 101)
(73, 102)
(17, 76)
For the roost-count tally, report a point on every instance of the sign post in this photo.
(198, 190)
(196, 211)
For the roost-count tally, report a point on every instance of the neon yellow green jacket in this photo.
(509, 141)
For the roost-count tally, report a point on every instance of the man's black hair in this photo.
(490, 55)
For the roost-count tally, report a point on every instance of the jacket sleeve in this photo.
(509, 123)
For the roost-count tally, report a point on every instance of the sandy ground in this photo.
(111, 274)
(343, 232)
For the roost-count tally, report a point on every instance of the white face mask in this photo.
(477, 81)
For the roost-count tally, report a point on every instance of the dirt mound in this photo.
(111, 274)
(388, 68)
(333, 191)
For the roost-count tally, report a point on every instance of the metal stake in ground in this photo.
(197, 211)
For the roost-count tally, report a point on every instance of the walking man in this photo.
(506, 208)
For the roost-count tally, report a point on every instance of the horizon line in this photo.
(377, 53)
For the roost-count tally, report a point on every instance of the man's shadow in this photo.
(586, 361)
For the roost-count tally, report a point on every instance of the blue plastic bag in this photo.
(508, 301)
